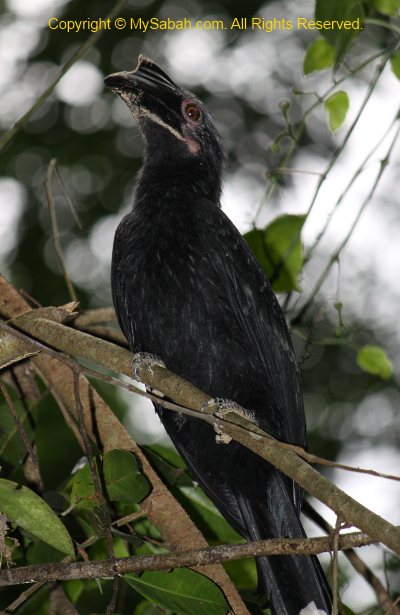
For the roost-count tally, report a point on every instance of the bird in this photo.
(189, 292)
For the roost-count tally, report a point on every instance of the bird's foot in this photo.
(221, 408)
(147, 361)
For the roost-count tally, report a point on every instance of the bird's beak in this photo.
(151, 95)
(146, 78)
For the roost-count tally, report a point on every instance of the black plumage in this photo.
(188, 289)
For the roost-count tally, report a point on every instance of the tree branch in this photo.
(24, 437)
(191, 558)
(192, 401)
(358, 564)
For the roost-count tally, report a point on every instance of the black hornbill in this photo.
(188, 290)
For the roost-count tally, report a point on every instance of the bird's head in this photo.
(179, 133)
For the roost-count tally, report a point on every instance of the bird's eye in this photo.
(192, 111)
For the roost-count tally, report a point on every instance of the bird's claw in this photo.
(220, 408)
(221, 437)
(145, 360)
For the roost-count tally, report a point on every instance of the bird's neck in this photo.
(178, 179)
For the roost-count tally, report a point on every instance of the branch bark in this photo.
(358, 564)
(193, 558)
(38, 324)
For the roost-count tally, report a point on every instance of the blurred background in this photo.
(253, 84)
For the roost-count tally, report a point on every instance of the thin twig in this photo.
(298, 131)
(23, 435)
(28, 297)
(328, 168)
(353, 178)
(67, 197)
(54, 228)
(334, 157)
(105, 514)
(334, 565)
(383, 24)
(23, 597)
(291, 171)
(135, 516)
(384, 599)
(335, 256)
(85, 439)
(378, 72)
(70, 422)
(393, 609)
(358, 564)
(113, 600)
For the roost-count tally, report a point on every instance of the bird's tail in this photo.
(294, 584)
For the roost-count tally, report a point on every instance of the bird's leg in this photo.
(221, 408)
(145, 360)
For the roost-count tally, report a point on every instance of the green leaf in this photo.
(319, 55)
(83, 493)
(38, 552)
(12, 448)
(374, 360)
(336, 107)
(210, 514)
(347, 610)
(182, 591)
(395, 64)
(168, 454)
(144, 608)
(387, 7)
(172, 470)
(169, 465)
(243, 573)
(279, 251)
(74, 589)
(31, 513)
(341, 11)
(124, 482)
(38, 603)
(54, 464)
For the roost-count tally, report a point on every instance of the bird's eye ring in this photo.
(191, 111)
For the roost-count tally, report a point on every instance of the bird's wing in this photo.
(251, 301)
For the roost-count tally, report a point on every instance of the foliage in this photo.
(180, 591)
(337, 106)
(374, 360)
(279, 251)
(29, 512)
(319, 55)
